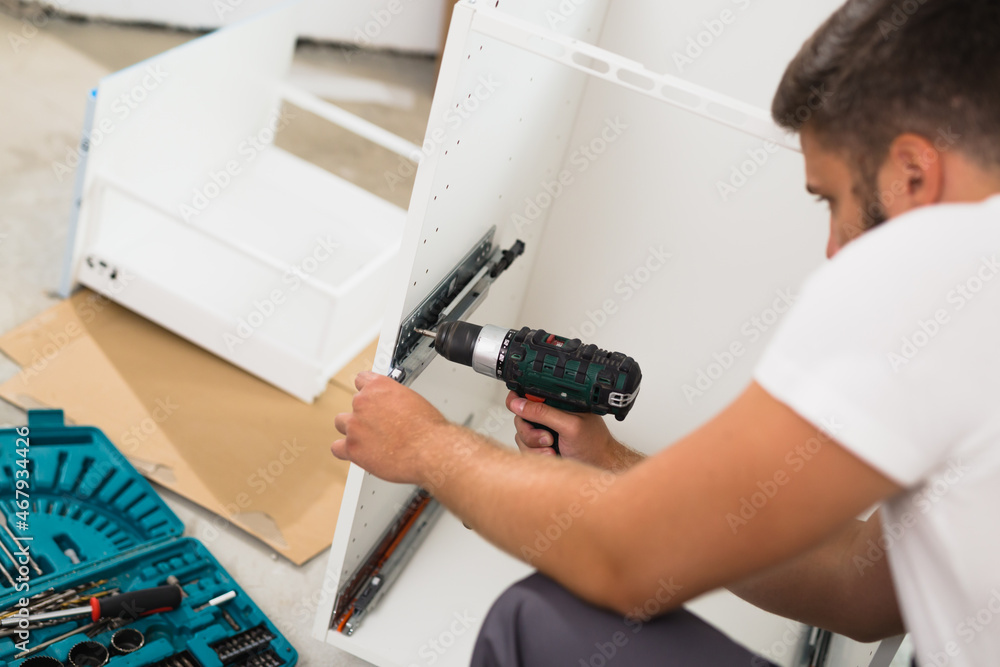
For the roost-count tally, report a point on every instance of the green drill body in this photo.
(561, 372)
(569, 375)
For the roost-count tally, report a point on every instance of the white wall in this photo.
(404, 25)
(657, 185)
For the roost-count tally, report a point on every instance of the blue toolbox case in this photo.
(83, 495)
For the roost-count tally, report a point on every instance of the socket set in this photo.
(231, 649)
(266, 659)
(95, 570)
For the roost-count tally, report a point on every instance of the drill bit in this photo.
(8, 632)
(229, 619)
(7, 574)
(72, 596)
(31, 561)
(425, 332)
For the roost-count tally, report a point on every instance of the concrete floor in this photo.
(45, 75)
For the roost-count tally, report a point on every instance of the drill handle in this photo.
(555, 434)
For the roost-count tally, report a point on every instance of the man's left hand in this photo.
(391, 431)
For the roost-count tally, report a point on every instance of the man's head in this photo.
(898, 106)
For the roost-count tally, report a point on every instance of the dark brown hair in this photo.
(880, 68)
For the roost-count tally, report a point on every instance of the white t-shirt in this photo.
(894, 346)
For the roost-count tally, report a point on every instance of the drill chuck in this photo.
(473, 345)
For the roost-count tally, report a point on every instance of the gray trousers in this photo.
(538, 623)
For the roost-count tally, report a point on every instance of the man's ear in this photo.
(912, 174)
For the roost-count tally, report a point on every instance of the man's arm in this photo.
(677, 518)
(836, 586)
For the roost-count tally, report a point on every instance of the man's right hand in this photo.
(582, 437)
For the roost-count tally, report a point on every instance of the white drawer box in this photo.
(189, 215)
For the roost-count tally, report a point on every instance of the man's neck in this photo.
(967, 182)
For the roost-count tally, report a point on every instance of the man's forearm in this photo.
(519, 503)
(614, 539)
(826, 588)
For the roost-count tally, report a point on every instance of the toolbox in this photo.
(86, 515)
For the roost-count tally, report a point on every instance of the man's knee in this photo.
(532, 599)
(538, 622)
(526, 617)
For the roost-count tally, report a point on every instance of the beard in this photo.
(866, 191)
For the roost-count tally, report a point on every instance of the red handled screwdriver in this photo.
(131, 605)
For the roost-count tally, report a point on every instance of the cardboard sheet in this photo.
(189, 420)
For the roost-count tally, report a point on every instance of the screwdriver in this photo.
(10, 557)
(133, 605)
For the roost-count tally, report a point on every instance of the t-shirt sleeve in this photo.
(874, 353)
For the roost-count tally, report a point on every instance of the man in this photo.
(881, 387)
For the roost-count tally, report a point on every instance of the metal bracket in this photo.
(393, 564)
(454, 298)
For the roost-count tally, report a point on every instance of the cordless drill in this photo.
(560, 372)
